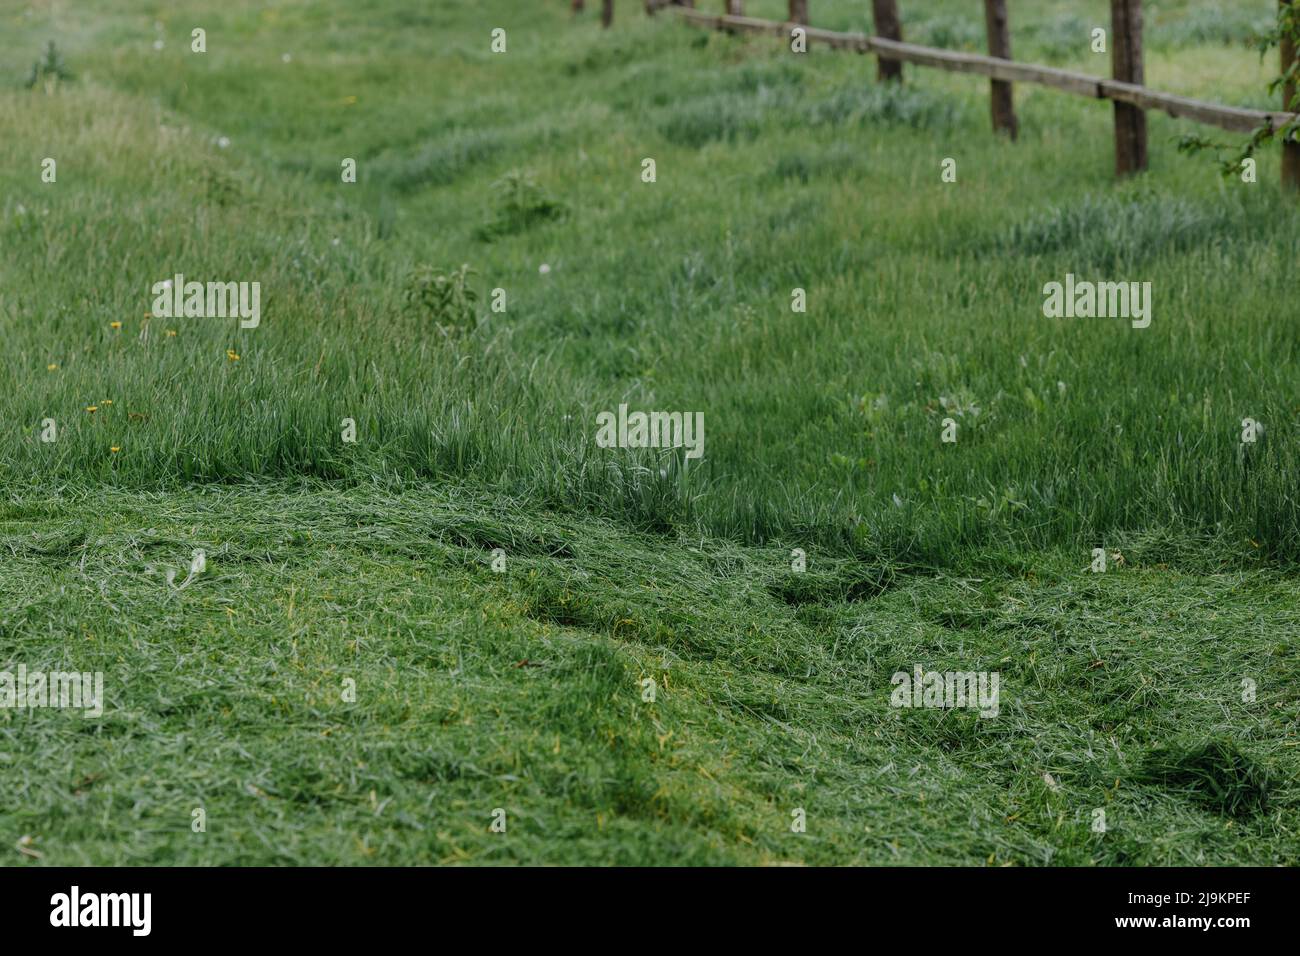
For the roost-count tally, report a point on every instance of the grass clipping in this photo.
(1213, 773)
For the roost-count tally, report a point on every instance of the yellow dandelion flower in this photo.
(52, 367)
(115, 449)
(92, 408)
(349, 100)
(171, 333)
(232, 355)
(115, 325)
(107, 401)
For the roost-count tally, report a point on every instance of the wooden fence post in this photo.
(734, 8)
(799, 11)
(1126, 63)
(578, 6)
(1290, 150)
(606, 13)
(999, 31)
(888, 26)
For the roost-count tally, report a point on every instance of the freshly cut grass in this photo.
(525, 690)
(1215, 772)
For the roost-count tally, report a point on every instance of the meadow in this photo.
(523, 689)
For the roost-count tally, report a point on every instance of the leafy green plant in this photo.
(221, 188)
(49, 70)
(521, 204)
(1287, 28)
(446, 298)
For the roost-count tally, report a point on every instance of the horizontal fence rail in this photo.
(1231, 118)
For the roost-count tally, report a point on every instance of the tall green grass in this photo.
(774, 172)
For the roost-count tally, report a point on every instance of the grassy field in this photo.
(368, 564)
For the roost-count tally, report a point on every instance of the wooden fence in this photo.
(1125, 89)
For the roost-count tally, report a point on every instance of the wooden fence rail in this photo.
(1126, 90)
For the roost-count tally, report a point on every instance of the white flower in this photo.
(544, 268)
(285, 57)
(157, 44)
(223, 141)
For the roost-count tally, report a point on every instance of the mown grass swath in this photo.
(524, 691)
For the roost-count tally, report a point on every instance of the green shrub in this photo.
(445, 298)
(48, 70)
(521, 204)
